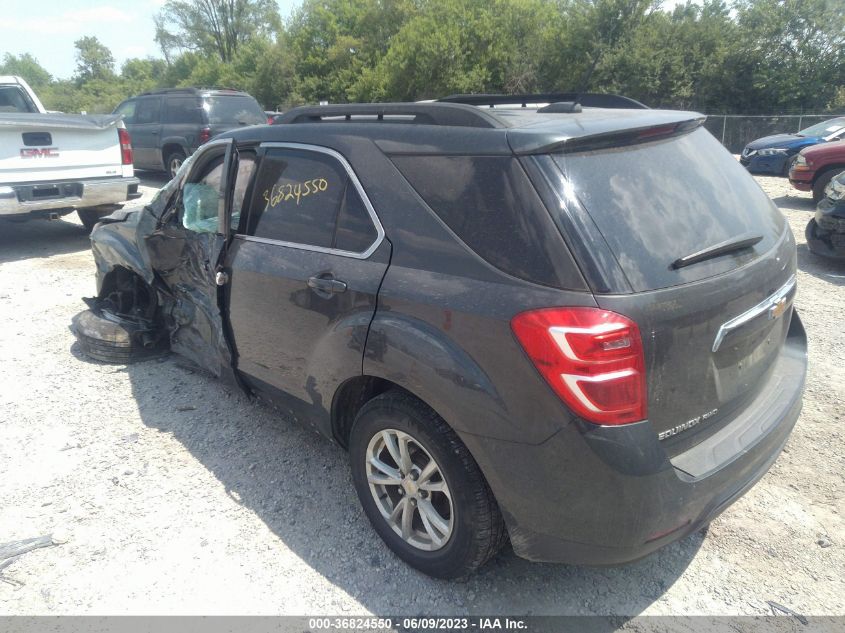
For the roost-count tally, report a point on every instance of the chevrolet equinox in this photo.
(566, 325)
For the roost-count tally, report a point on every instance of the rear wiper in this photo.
(722, 248)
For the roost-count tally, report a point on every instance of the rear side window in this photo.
(307, 198)
(491, 205)
(657, 202)
(182, 110)
(147, 111)
(234, 110)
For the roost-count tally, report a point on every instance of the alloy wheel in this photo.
(409, 490)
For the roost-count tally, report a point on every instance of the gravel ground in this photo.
(170, 495)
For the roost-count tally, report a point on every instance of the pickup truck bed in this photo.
(52, 163)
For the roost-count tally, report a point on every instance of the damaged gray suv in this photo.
(568, 327)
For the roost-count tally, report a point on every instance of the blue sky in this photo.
(48, 28)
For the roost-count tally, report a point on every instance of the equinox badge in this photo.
(686, 425)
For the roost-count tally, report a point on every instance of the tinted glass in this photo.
(201, 200)
(182, 110)
(297, 197)
(127, 109)
(13, 99)
(355, 229)
(147, 111)
(234, 110)
(657, 202)
(246, 167)
(491, 205)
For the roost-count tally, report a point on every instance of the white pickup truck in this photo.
(52, 164)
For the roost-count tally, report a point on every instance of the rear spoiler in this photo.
(617, 129)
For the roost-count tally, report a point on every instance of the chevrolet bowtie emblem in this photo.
(778, 308)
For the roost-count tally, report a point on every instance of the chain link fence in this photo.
(737, 130)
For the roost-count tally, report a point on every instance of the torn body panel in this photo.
(825, 233)
(177, 264)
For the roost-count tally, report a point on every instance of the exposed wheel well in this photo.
(124, 292)
(351, 396)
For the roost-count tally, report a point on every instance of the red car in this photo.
(816, 166)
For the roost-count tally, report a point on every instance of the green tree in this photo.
(142, 75)
(333, 42)
(26, 66)
(798, 47)
(93, 60)
(214, 27)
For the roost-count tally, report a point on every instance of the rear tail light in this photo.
(592, 358)
(205, 134)
(125, 146)
(270, 120)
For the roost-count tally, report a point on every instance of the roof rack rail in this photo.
(586, 99)
(430, 113)
(188, 90)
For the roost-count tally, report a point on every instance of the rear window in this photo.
(234, 110)
(13, 99)
(493, 208)
(657, 202)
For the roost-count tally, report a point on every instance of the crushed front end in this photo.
(825, 233)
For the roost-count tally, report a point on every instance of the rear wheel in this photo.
(787, 165)
(174, 161)
(90, 216)
(421, 489)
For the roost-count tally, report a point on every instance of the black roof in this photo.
(505, 123)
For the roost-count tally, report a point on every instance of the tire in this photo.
(174, 161)
(818, 245)
(89, 217)
(468, 529)
(110, 339)
(821, 183)
(787, 165)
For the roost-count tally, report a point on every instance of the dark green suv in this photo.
(168, 125)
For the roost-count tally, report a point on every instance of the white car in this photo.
(52, 164)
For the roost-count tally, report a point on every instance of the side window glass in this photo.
(147, 111)
(128, 111)
(246, 167)
(355, 229)
(182, 110)
(201, 200)
(297, 196)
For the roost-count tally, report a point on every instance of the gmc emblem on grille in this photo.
(39, 152)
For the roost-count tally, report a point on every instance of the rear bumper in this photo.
(26, 198)
(610, 495)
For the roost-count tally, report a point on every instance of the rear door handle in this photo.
(327, 284)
